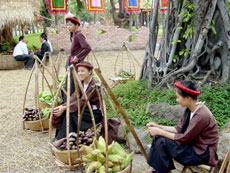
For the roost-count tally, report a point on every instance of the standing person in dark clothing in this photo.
(79, 47)
(21, 53)
(44, 48)
(192, 141)
(84, 70)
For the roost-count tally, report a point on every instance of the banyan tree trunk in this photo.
(121, 19)
(195, 44)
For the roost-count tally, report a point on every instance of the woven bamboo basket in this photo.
(36, 125)
(42, 105)
(8, 62)
(62, 155)
(126, 170)
(124, 80)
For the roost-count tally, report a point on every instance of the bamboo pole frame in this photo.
(36, 70)
(98, 72)
(78, 87)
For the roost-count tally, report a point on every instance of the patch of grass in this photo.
(134, 96)
(217, 99)
(32, 39)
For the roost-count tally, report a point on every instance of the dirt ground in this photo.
(28, 151)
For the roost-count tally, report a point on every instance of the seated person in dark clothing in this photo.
(21, 53)
(44, 48)
(84, 70)
(193, 141)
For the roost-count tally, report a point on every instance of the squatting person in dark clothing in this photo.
(192, 141)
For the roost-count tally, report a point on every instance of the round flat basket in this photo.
(36, 125)
(126, 170)
(124, 80)
(62, 155)
(42, 105)
(8, 62)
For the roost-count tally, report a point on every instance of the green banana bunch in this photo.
(95, 157)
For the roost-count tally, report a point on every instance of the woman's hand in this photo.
(151, 124)
(154, 131)
(59, 110)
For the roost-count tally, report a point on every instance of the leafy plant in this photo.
(212, 27)
(132, 37)
(135, 96)
(184, 52)
(6, 46)
(175, 42)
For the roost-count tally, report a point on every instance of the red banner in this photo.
(57, 6)
(132, 6)
(95, 6)
(163, 6)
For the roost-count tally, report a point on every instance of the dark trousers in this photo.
(73, 122)
(163, 150)
(29, 60)
(40, 55)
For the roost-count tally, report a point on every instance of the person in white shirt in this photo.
(21, 53)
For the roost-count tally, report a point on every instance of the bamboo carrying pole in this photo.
(104, 114)
(51, 74)
(24, 101)
(88, 103)
(98, 72)
(79, 117)
(226, 163)
(37, 94)
(55, 100)
(67, 115)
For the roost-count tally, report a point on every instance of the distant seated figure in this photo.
(21, 53)
(51, 47)
(44, 48)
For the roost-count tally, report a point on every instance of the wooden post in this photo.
(67, 115)
(130, 25)
(110, 92)
(94, 18)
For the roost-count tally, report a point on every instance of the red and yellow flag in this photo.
(57, 6)
(95, 6)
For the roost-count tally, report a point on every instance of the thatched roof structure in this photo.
(18, 11)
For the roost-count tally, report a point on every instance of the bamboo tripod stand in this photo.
(40, 66)
(99, 89)
(131, 67)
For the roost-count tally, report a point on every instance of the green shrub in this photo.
(217, 99)
(6, 46)
(135, 96)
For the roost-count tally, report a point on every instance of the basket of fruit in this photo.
(86, 138)
(118, 159)
(32, 121)
(46, 100)
(124, 76)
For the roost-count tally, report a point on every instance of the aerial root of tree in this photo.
(195, 43)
